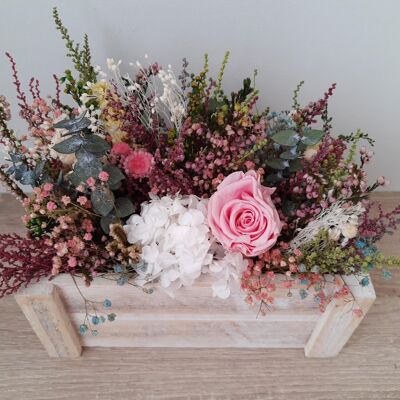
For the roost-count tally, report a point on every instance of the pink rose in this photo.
(241, 215)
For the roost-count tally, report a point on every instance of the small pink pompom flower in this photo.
(65, 200)
(82, 200)
(91, 181)
(87, 236)
(103, 176)
(51, 206)
(121, 149)
(48, 187)
(139, 164)
(72, 262)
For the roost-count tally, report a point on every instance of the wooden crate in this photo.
(193, 319)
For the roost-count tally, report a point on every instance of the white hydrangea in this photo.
(178, 246)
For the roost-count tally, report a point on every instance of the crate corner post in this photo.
(43, 307)
(337, 323)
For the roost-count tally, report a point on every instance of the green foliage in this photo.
(328, 257)
(331, 258)
(197, 95)
(312, 136)
(89, 149)
(102, 200)
(80, 57)
(218, 93)
(296, 105)
(69, 146)
(288, 137)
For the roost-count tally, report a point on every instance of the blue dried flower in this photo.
(111, 317)
(83, 329)
(364, 281)
(122, 280)
(303, 293)
(95, 320)
(95, 332)
(107, 303)
(302, 268)
(387, 275)
(118, 268)
(360, 244)
(304, 281)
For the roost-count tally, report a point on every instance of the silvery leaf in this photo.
(106, 221)
(287, 137)
(312, 136)
(124, 207)
(68, 146)
(96, 145)
(114, 174)
(102, 200)
(74, 124)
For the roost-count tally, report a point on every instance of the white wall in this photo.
(355, 43)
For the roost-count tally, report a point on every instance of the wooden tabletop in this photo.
(367, 368)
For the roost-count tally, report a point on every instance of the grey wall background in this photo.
(355, 43)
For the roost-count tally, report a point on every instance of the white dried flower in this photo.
(177, 246)
(349, 231)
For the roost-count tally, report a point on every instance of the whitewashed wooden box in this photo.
(193, 319)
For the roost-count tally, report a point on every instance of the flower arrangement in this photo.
(160, 180)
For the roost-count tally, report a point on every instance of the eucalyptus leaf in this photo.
(87, 165)
(124, 207)
(295, 165)
(74, 125)
(60, 178)
(10, 170)
(68, 146)
(312, 136)
(114, 174)
(287, 137)
(277, 164)
(115, 186)
(102, 200)
(39, 168)
(289, 154)
(85, 171)
(106, 221)
(28, 178)
(74, 179)
(95, 144)
(20, 171)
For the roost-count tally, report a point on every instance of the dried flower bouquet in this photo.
(162, 179)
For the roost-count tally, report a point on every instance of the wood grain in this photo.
(46, 312)
(367, 368)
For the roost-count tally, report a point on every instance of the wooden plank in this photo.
(45, 311)
(336, 325)
(129, 330)
(196, 299)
